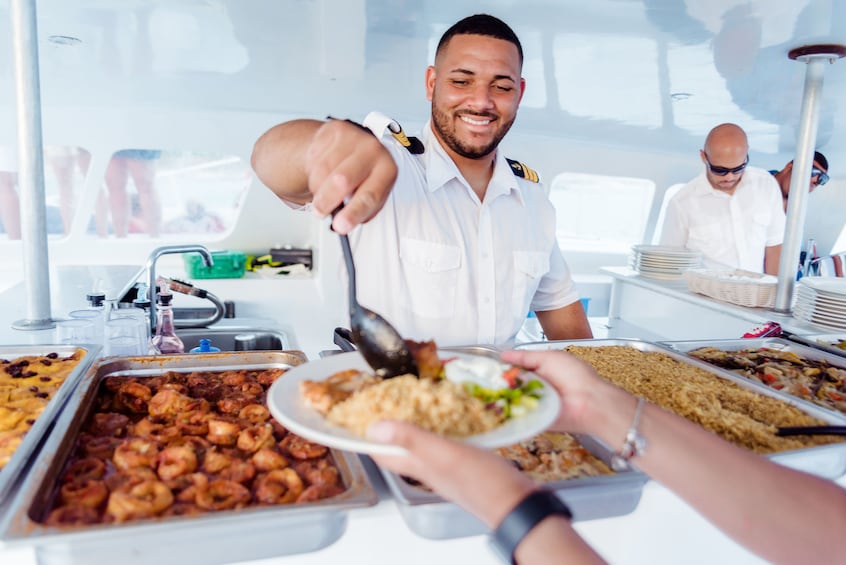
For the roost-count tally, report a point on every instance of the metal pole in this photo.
(30, 167)
(816, 57)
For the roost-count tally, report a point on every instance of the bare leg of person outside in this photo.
(143, 173)
(10, 204)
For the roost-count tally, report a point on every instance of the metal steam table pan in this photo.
(824, 460)
(216, 537)
(13, 470)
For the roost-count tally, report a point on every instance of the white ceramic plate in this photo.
(833, 286)
(286, 405)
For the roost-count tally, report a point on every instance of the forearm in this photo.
(569, 322)
(772, 257)
(779, 513)
(278, 159)
(554, 541)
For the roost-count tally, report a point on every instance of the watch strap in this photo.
(528, 513)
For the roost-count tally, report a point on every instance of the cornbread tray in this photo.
(12, 471)
(828, 461)
(430, 516)
(213, 537)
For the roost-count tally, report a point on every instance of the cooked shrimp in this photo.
(133, 397)
(143, 500)
(222, 432)
(135, 452)
(222, 495)
(278, 487)
(73, 516)
(194, 423)
(268, 459)
(215, 461)
(301, 448)
(254, 413)
(82, 469)
(238, 471)
(255, 437)
(85, 492)
(175, 461)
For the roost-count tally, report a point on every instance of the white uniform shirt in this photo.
(731, 231)
(439, 264)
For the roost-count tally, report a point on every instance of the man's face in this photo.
(815, 178)
(724, 169)
(475, 88)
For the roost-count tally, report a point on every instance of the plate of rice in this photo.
(473, 398)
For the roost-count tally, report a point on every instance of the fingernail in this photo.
(380, 431)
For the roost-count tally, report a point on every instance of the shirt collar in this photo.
(441, 169)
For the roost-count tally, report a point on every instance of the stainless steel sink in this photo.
(235, 338)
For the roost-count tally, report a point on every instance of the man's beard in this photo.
(441, 121)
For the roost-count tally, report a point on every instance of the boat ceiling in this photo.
(652, 73)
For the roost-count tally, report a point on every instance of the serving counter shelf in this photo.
(215, 537)
(828, 461)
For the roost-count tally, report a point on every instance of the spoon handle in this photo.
(348, 260)
(812, 430)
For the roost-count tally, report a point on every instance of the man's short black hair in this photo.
(481, 24)
(820, 158)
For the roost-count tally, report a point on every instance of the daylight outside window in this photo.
(155, 193)
(600, 213)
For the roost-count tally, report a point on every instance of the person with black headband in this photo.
(731, 212)
(819, 176)
(781, 514)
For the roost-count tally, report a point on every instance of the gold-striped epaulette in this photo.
(522, 171)
(414, 145)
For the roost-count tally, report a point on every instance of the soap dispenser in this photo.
(166, 340)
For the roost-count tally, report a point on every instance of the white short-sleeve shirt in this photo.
(439, 264)
(731, 231)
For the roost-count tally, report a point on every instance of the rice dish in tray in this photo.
(741, 416)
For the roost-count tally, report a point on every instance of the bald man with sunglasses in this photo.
(731, 212)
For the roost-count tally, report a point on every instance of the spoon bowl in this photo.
(379, 343)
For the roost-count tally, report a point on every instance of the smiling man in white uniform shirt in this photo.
(731, 212)
(453, 245)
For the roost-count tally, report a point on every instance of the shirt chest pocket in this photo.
(529, 268)
(431, 276)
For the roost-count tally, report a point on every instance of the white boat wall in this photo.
(620, 96)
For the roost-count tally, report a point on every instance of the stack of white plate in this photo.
(821, 301)
(663, 261)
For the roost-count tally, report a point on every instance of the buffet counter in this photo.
(661, 310)
(661, 529)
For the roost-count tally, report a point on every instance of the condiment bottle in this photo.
(205, 347)
(166, 340)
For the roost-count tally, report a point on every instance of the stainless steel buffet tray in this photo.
(12, 471)
(824, 342)
(828, 461)
(430, 516)
(776, 343)
(217, 537)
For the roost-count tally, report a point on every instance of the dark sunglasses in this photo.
(822, 176)
(723, 171)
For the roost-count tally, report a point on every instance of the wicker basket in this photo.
(744, 288)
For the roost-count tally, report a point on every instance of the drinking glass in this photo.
(125, 336)
(76, 331)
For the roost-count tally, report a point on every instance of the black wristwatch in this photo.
(528, 513)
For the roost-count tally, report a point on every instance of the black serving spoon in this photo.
(378, 342)
(832, 430)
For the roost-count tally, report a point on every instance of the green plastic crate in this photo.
(227, 265)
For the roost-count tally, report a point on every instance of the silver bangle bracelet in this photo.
(634, 445)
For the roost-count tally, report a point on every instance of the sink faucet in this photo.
(151, 269)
